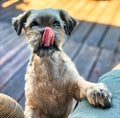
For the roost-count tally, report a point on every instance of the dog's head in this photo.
(45, 29)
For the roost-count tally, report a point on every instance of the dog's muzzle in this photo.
(48, 37)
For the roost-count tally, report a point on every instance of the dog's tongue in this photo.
(48, 37)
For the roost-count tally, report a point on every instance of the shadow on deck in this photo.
(94, 48)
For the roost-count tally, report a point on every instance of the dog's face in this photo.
(45, 29)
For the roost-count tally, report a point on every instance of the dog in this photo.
(52, 80)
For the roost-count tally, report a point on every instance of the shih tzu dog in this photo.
(52, 80)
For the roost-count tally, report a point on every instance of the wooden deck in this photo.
(95, 44)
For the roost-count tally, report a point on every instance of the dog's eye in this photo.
(56, 24)
(34, 23)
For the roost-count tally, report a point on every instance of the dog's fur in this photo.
(52, 80)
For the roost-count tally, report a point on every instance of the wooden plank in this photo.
(85, 59)
(9, 8)
(64, 4)
(103, 65)
(67, 7)
(96, 35)
(71, 47)
(15, 88)
(3, 26)
(61, 4)
(8, 12)
(11, 53)
(5, 15)
(111, 39)
(89, 6)
(6, 38)
(83, 29)
(97, 11)
(8, 41)
(116, 59)
(77, 7)
(109, 13)
(116, 21)
(10, 45)
(5, 31)
(13, 66)
(22, 102)
(98, 31)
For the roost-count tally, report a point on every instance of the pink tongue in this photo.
(48, 37)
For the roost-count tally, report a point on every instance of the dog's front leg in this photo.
(96, 93)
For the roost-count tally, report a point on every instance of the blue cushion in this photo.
(85, 110)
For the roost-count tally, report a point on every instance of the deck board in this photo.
(111, 39)
(22, 102)
(85, 59)
(94, 46)
(82, 31)
(71, 48)
(96, 35)
(16, 84)
(103, 64)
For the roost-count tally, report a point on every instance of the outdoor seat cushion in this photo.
(85, 110)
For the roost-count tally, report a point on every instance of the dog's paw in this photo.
(99, 95)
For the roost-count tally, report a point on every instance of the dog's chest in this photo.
(50, 68)
(50, 82)
(52, 96)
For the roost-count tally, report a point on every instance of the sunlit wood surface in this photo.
(105, 12)
(94, 46)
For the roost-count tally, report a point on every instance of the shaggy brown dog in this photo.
(52, 80)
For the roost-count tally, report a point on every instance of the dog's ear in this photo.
(18, 22)
(70, 22)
